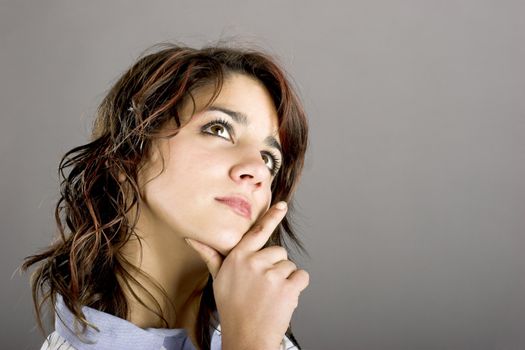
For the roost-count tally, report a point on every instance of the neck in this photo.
(166, 261)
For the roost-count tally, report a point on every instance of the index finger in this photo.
(259, 234)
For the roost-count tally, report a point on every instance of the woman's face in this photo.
(217, 169)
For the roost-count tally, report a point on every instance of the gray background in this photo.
(412, 204)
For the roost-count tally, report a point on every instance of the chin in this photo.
(226, 240)
(226, 245)
(222, 230)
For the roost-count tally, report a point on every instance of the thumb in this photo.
(211, 257)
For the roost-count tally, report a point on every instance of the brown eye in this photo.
(268, 160)
(272, 162)
(217, 128)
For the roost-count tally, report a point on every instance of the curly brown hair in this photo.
(85, 265)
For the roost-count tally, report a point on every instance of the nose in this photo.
(249, 169)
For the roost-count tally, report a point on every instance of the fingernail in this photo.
(281, 205)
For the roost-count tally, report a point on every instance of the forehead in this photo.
(239, 93)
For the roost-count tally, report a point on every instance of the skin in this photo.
(179, 202)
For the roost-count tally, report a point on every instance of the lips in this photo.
(238, 204)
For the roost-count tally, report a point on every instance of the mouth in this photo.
(238, 205)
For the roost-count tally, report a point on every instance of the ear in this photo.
(121, 177)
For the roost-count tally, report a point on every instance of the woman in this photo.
(173, 218)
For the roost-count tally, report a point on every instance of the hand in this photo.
(256, 290)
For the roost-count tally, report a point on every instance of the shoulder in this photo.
(55, 342)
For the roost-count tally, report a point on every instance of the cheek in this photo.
(182, 196)
(265, 199)
(168, 177)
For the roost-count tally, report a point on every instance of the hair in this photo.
(98, 180)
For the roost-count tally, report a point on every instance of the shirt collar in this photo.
(117, 333)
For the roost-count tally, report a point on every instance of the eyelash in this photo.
(229, 128)
(226, 124)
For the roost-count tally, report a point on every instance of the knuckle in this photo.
(305, 279)
(287, 265)
(258, 228)
(300, 281)
(305, 275)
(272, 276)
(255, 262)
(282, 250)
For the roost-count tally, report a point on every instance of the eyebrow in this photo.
(242, 119)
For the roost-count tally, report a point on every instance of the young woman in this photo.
(173, 218)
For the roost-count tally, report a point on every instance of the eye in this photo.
(271, 161)
(220, 128)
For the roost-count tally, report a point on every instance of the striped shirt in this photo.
(116, 333)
